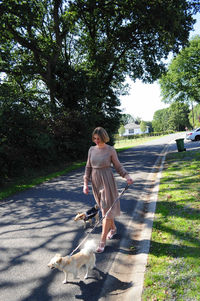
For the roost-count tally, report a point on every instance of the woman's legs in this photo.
(113, 227)
(108, 231)
(105, 229)
(107, 223)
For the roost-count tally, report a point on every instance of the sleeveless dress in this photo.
(98, 170)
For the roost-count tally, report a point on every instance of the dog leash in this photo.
(120, 195)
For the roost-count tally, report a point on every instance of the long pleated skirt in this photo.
(105, 191)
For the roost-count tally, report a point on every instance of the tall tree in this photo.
(182, 80)
(83, 49)
(194, 116)
(126, 118)
(174, 118)
(66, 60)
(178, 116)
(143, 126)
(160, 120)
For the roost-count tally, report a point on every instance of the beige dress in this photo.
(99, 171)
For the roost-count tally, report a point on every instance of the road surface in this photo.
(38, 223)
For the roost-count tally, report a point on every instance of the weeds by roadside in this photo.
(173, 271)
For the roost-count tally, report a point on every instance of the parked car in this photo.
(193, 135)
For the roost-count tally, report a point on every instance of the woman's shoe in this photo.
(111, 233)
(101, 247)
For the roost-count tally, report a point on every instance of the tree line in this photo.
(180, 87)
(63, 65)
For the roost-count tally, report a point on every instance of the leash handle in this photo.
(123, 191)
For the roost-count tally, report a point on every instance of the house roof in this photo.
(132, 125)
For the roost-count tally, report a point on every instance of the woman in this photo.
(98, 171)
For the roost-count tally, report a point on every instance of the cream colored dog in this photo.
(72, 264)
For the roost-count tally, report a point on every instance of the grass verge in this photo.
(127, 143)
(172, 271)
(32, 178)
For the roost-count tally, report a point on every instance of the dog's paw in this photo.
(64, 281)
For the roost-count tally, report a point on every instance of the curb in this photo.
(132, 267)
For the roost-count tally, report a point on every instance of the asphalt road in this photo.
(38, 223)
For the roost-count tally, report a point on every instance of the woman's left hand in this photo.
(129, 180)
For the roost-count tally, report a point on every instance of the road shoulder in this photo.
(130, 262)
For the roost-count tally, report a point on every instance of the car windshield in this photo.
(197, 130)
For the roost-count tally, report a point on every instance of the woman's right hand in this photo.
(85, 189)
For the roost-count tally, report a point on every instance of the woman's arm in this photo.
(119, 167)
(87, 174)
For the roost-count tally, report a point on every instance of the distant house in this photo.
(134, 129)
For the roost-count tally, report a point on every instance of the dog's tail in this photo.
(89, 247)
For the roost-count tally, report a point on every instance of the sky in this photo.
(144, 99)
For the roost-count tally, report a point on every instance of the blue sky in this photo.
(144, 99)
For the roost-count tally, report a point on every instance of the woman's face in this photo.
(97, 140)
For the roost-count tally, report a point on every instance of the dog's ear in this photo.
(59, 260)
(81, 215)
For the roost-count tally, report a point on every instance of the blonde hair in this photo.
(101, 132)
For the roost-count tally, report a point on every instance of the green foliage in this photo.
(126, 118)
(60, 41)
(143, 126)
(182, 80)
(178, 116)
(65, 63)
(149, 124)
(194, 116)
(160, 120)
(137, 120)
(174, 118)
(121, 130)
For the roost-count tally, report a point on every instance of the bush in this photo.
(29, 141)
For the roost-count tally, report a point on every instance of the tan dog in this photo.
(88, 216)
(72, 264)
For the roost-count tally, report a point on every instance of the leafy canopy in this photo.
(64, 65)
(66, 43)
(182, 80)
(174, 118)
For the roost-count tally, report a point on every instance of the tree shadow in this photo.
(45, 214)
(90, 289)
(93, 291)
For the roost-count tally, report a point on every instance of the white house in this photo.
(134, 129)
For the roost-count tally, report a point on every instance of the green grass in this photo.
(127, 143)
(33, 178)
(173, 269)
